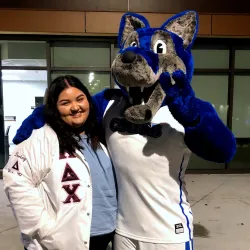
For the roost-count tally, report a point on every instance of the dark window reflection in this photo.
(242, 157)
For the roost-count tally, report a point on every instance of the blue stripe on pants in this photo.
(189, 245)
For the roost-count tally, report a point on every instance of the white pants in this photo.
(124, 243)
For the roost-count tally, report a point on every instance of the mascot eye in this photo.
(133, 44)
(160, 47)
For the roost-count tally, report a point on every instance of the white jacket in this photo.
(51, 195)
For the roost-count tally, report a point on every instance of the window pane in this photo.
(241, 107)
(242, 156)
(242, 59)
(23, 53)
(94, 81)
(19, 104)
(213, 89)
(211, 59)
(81, 55)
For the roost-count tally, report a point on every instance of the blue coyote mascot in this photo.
(152, 124)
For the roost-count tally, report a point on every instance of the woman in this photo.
(60, 181)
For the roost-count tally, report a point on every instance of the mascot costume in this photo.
(152, 124)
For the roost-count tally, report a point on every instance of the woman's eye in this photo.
(160, 47)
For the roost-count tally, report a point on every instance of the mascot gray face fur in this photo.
(145, 53)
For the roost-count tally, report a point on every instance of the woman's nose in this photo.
(74, 107)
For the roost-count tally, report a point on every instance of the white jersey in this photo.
(51, 195)
(152, 199)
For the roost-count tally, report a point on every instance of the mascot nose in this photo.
(128, 57)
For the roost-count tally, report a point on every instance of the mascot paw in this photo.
(172, 84)
(138, 114)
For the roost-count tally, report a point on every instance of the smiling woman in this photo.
(75, 175)
(73, 106)
(69, 111)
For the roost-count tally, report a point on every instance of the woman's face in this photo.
(73, 106)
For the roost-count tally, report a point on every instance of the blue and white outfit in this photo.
(152, 200)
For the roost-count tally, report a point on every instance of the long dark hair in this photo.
(69, 137)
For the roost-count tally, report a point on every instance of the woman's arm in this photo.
(21, 181)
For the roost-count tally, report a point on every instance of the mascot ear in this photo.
(129, 23)
(185, 25)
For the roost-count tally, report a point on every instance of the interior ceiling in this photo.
(24, 62)
(24, 75)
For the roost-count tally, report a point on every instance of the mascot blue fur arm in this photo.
(154, 68)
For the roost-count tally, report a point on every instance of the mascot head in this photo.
(145, 53)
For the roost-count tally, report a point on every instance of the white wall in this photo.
(18, 98)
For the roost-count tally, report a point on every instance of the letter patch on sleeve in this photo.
(14, 169)
(15, 166)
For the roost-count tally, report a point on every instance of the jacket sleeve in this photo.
(21, 184)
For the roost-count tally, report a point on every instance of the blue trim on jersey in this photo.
(182, 209)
